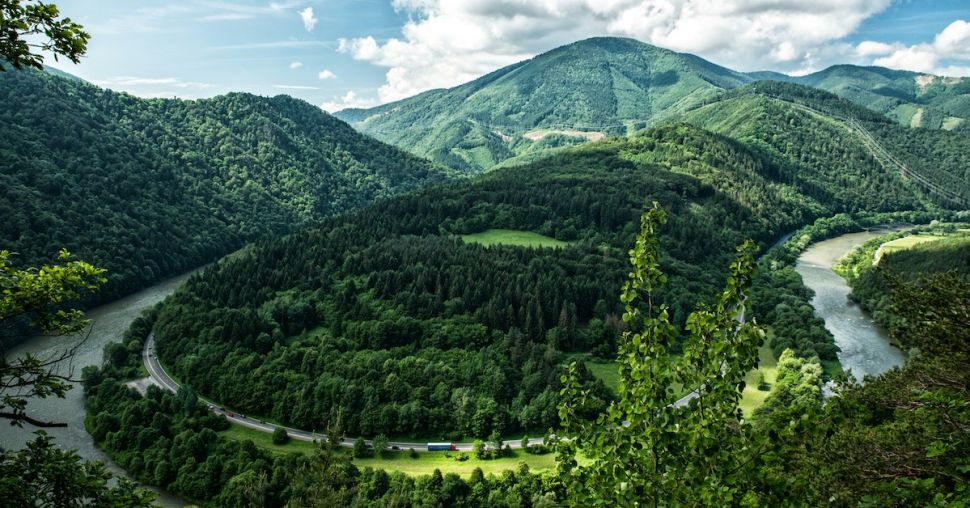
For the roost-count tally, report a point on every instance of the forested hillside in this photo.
(151, 188)
(610, 86)
(910, 98)
(388, 320)
(839, 152)
(585, 90)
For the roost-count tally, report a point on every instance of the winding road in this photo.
(159, 377)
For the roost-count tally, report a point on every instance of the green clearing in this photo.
(264, 440)
(752, 398)
(425, 463)
(917, 119)
(513, 237)
(951, 122)
(607, 372)
(447, 462)
(903, 243)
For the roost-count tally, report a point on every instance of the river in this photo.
(865, 345)
(109, 323)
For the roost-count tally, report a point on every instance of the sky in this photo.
(361, 53)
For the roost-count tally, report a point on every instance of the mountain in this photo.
(396, 318)
(151, 188)
(612, 86)
(853, 155)
(573, 94)
(911, 98)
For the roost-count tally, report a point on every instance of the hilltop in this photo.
(579, 92)
(605, 86)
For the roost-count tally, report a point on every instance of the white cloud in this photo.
(309, 20)
(296, 65)
(448, 42)
(134, 81)
(326, 74)
(947, 55)
(295, 87)
(874, 48)
(349, 100)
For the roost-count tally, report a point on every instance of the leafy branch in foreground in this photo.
(44, 475)
(647, 450)
(38, 296)
(23, 22)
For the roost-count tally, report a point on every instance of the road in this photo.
(159, 377)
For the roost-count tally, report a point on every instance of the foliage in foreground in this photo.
(645, 450)
(24, 23)
(39, 298)
(42, 474)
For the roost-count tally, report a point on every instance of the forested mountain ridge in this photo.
(151, 188)
(585, 90)
(613, 86)
(910, 98)
(387, 320)
(838, 151)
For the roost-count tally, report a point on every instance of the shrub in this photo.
(280, 437)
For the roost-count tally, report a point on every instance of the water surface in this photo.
(108, 324)
(865, 345)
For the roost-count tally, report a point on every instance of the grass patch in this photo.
(264, 440)
(513, 237)
(752, 398)
(903, 243)
(426, 463)
(951, 122)
(608, 373)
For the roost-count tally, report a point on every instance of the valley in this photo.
(607, 274)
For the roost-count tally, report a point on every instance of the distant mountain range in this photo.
(612, 86)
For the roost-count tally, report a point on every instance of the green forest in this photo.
(153, 188)
(587, 252)
(386, 319)
(866, 447)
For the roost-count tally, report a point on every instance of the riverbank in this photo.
(108, 324)
(865, 346)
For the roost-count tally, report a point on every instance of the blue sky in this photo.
(340, 53)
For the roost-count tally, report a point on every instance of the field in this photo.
(607, 372)
(537, 134)
(952, 122)
(447, 462)
(901, 244)
(752, 398)
(424, 463)
(513, 237)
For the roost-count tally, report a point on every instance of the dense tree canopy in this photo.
(151, 188)
(387, 317)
